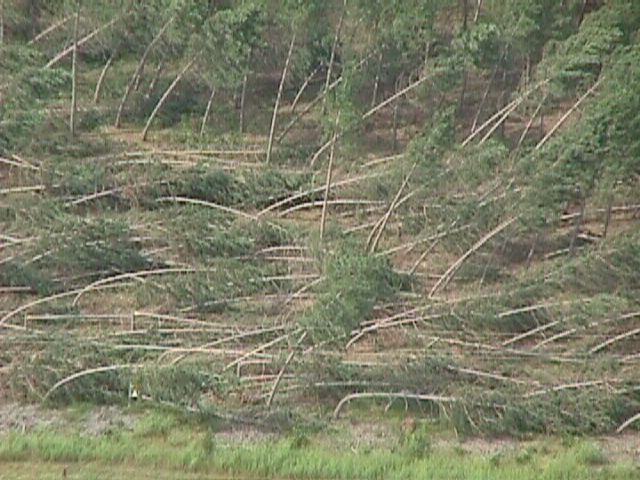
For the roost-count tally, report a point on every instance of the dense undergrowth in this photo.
(474, 249)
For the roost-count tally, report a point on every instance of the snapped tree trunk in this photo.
(74, 74)
(274, 118)
(205, 117)
(477, 14)
(303, 87)
(138, 71)
(96, 93)
(323, 218)
(165, 96)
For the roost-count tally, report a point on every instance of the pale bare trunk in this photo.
(484, 99)
(164, 97)
(376, 83)
(305, 84)
(477, 14)
(279, 96)
(323, 218)
(49, 29)
(96, 93)
(138, 70)
(80, 42)
(205, 117)
(74, 74)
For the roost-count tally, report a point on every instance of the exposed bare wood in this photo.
(195, 201)
(391, 395)
(272, 394)
(165, 96)
(103, 73)
(446, 276)
(84, 373)
(49, 29)
(323, 217)
(485, 95)
(207, 110)
(301, 90)
(568, 113)
(628, 422)
(74, 73)
(80, 42)
(615, 339)
(274, 117)
(306, 193)
(374, 236)
(138, 70)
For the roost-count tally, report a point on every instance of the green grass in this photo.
(162, 446)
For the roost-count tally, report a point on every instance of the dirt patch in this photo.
(26, 417)
(108, 419)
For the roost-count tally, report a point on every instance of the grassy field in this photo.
(168, 445)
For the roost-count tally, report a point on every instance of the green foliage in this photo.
(354, 283)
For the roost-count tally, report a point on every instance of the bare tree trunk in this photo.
(395, 121)
(376, 82)
(74, 73)
(336, 39)
(138, 70)
(243, 96)
(205, 117)
(49, 29)
(529, 124)
(607, 218)
(154, 80)
(279, 96)
(165, 96)
(323, 218)
(305, 84)
(484, 99)
(477, 14)
(96, 94)
(80, 42)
